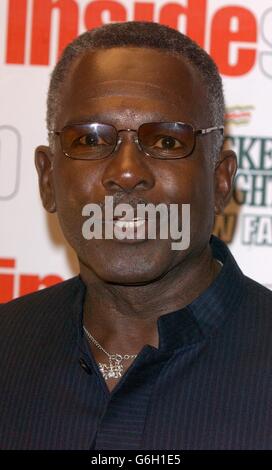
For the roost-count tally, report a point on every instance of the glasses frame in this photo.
(196, 132)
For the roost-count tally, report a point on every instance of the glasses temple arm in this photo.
(210, 129)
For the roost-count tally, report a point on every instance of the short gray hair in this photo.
(148, 35)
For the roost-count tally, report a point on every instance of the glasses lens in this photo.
(88, 141)
(167, 139)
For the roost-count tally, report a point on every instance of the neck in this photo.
(127, 315)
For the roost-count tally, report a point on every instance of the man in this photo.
(192, 332)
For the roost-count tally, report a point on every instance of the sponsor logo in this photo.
(226, 223)
(253, 183)
(238, 115)
(14, 284)
(257, 230)
(252, 188)
(38, 30)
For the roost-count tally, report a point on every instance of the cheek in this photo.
(192, 184)
(75, 184)
(187, 182)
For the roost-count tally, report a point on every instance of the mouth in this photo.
(127, 229)
(125, 223)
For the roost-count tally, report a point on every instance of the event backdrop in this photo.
(238, 34)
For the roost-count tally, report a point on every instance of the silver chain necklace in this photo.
(115, 368)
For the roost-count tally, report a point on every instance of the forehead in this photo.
(136, 82)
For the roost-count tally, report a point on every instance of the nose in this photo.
(127, 168)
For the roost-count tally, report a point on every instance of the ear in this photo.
(224, 173)
(44, 167)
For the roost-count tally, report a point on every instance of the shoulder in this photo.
(256, 311)
(258, 295)
(43, 303)
(37, 328)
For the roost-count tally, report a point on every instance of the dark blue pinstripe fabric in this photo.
(207, 386)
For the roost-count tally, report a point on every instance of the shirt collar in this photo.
(201, 318)
(207, 313)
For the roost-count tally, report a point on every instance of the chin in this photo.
(129, 278)
(128, 265)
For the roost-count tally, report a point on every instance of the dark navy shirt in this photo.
(207, 386)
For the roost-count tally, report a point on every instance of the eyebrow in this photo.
(85, 119)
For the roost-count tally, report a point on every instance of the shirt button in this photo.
(83, 364)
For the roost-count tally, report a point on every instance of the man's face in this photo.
(127, 87)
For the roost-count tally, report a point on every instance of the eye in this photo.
(168, 143)
(91, 140)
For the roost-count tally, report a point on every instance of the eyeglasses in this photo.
(164, 140)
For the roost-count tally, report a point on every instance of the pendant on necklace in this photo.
(113, 370)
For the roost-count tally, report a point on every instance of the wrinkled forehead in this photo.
(159, 78)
